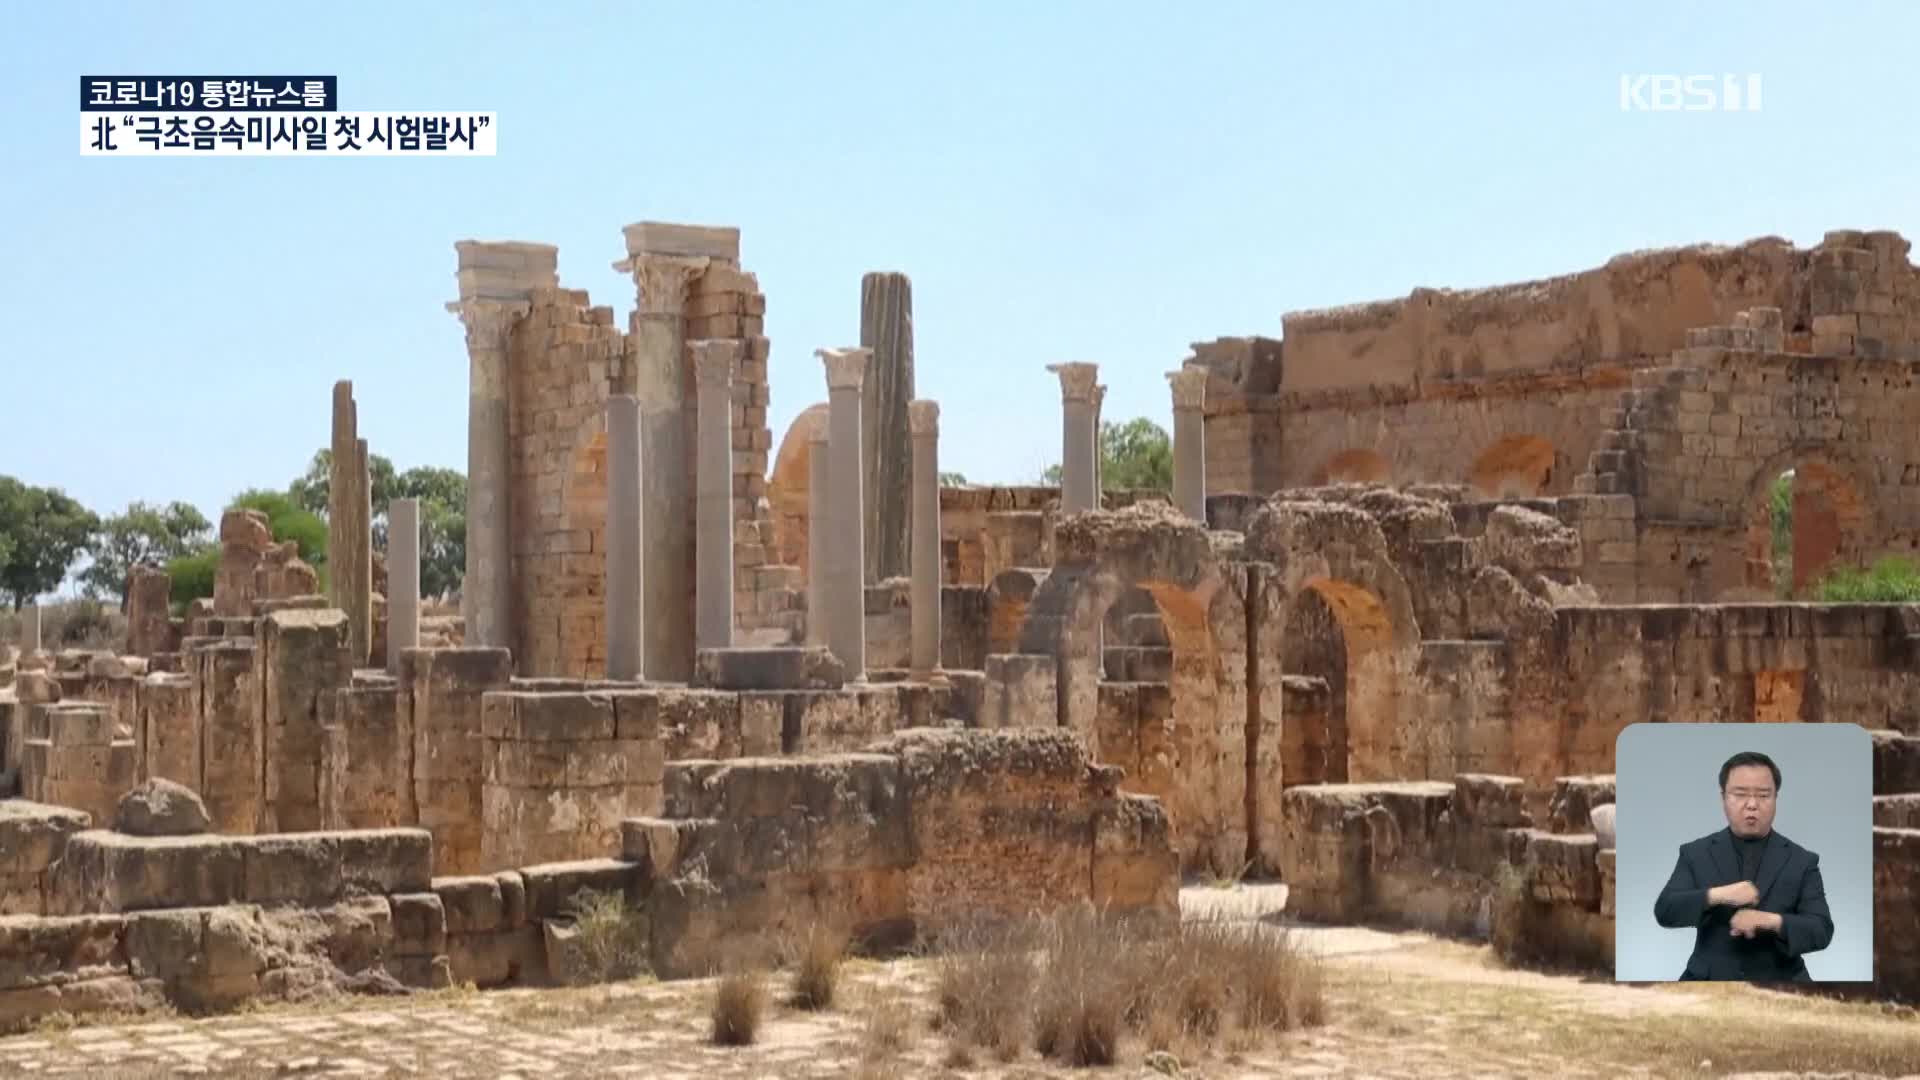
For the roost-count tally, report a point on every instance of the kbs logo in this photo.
(1689, 93)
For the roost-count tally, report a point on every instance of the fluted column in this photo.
(1189, 442)
(486, 590)
(660, 283)
(923, 421)
(819, 484)
(403, 579)
(886, 327)
(1078, 450)
(713, 364)
(626, 521)
(846, 591)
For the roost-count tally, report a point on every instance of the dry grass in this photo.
(739, 1004)
(610, 940)
(815, 960)
(78, 623)
(984, 977)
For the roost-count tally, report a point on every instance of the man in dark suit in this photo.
(1753, 897)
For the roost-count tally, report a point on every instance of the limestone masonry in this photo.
(1422, 561)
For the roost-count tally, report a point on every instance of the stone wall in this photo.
(562, 770)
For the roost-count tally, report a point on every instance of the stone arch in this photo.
(1833, 521)
(1358, 465)
(1513, 467)
(1195, 764)
(788, 488)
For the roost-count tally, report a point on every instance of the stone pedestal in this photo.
(403, 579)
(886, 328)
(819, 481)
(666, 425)
(1189, 442)
(626, 533)
(714, 362)
(845, 534)
(1079, 451)
(924, 423)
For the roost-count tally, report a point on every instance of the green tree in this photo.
(193, 575)
(443, 525)
(44, 532)
(310, 489)
(1136, 455)
(287, 520)
(143, 534)
(953, 479)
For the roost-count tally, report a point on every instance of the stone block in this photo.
(473, 905)
(1565, 868)
(1497, 801)
(1574, 797)
(773, 668)
(108, 872)
(551, 887)
(1896, 763)
(302, 869)
(547, 717)
(386, 860)
(662, 238)
(419, 924)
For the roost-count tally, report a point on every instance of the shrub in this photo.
(610, 940)
(193, 576)
(1892, 580)
(739, 998)
(816, 966)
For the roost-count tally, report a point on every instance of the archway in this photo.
(1314, 654)
(1804, 521)
(1356, 466)
(1514, 467)
(789, 488)
(1366, 743)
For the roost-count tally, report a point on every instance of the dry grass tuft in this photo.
(610, 940)
(816, 960)
(739, 1001)
(984, 977)
(884, 1031)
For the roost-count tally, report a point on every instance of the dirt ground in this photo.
(1398, 1005)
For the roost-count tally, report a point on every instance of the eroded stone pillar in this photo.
(486, 590)
(886, 328)
(713, 364)
(1189, 442)
(923, 420)
(845, 534)
(819, 482)
(403, 579)
(1078, 450)
(30, 629)
(626, 532)
(349, 525)
(666, 423)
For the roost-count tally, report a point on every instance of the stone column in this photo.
(1189, 442)
(819, 482)
(403, 579)
(349, 524)
(626, 595)
(845, 534)
(665, 434)
(924, 656)
(886, 328)
(486, 589)
(1099, 441)
(30, 629)
(1079, 455)
(713, 364)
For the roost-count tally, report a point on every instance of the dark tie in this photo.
(1750, 851)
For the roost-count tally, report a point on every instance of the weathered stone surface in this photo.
(160, 807)
(1489, 800)
(1896, 763)
(780, 668)
(1574, 798)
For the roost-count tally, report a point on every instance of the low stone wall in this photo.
(32, 838)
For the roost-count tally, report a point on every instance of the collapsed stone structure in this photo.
(742, 697)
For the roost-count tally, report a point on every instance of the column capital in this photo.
(1189, 388)
(660, 281)
(1076, 380)
(846, 368)
(488, 322)
(714, 360)
(923, 417)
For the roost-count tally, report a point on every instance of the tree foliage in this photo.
(953, 479)
(442, 494)
(311, 489)
(287, 520)
(1136, 455)
(42, 533)
(144, 533)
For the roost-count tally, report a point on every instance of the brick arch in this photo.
(1196, 766)
(1513, 467)
(1358, 465)
(1834, 523)
(788, 487)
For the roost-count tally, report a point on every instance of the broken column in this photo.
(496, 286)
(819, 478)
(626, 591)
(1189, 442)
(403, 579)
(30, 630)
(1077, 449)
(713, 364)
(845, 535)
(298, 658)
(886, 329)
(149, 622)
(349, 539)
(659, 321)
(924, 422)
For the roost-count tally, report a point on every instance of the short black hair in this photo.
(1749, 757)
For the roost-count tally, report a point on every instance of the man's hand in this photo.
(1738, 894)
(1750, 921)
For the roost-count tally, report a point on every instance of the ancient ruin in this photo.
(1422, 561)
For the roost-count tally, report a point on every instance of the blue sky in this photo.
(1103, 182)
